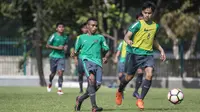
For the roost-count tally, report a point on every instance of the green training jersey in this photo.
(90, 47)
(143, 37)
(122, 49)
(57, 40)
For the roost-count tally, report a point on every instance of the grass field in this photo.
(36, 99)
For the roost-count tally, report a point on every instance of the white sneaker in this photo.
(49, 88)
(60, 92)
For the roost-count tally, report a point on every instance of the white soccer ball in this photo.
(175, 96)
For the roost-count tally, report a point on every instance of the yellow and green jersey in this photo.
(122, 49)
(143, 37)
(57, 40)
(90, 47)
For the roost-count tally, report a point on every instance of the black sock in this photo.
(80, 79)
(145, 88)
(138, 81)
(122, 84)
(84, 96)
(92, 94)
(51, 76)
(60, 81)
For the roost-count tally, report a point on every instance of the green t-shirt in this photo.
(122, 49)
(57, 40)
(134, 28)
(90, 47)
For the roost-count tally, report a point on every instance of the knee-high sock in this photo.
(145, 88)
(122, 84)
(60, 81)
(138, 81)
(80, 79)
(51, 76)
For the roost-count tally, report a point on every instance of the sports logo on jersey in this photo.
(95, 41)
(146, 30)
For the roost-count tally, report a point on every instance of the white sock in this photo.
(59, 88)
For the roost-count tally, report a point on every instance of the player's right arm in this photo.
(118, 52)
(77, 47)
(50, 44)
(131, 32)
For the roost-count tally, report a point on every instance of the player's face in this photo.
(147, 14)
(92, 26)
(84, 29)
(60, 28)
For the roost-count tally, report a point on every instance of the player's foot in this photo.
(78, 104)
(49, 88)
(119, 96)
(60, 92)
(136, 95)
(140, 104)
(97, 109)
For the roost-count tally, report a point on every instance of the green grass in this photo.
(36, 99)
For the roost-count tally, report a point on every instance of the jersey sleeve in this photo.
(135, 27)
(104, 44)
(51, 38)
(78, 44)
(157, 30)
(66, 40)
(120, 46)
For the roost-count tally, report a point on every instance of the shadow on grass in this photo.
(161, 109)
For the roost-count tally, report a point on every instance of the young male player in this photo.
(58, 43)
(78, 61)
(140, 39)
(90, 46)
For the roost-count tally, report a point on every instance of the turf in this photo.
(36, 99)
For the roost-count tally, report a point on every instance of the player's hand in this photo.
(115, 60)
(162, 56)
(105, 60)
(129, 42)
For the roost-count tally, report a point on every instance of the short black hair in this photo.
(138, 15)
(59, 23)
(149, 4)
(84, 24)
(91, 19)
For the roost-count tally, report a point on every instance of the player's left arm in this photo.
(105, 50)
(159, 47)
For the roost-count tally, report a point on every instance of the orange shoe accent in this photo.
(140, 104)
(118, 98)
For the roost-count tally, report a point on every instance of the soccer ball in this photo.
(175, 96)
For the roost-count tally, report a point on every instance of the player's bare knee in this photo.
(60, 73)
(129, 77)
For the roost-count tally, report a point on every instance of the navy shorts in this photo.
(57, 64)
(80, 67)
(121, 67)
(134, 61)
(93, 68)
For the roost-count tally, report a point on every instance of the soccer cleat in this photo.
(78, 104)
(60, 92)
(97, 109)
(49, 88)
(140, 104)
(136, 95)
(119, 96)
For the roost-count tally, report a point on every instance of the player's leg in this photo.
(121, 74)
(60, 70)
(53, 67)
(81, 74)
(130, 69)
(148, 63)
(138, 82)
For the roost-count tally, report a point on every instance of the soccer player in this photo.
(58, 43)
(91, 46)
(140, 39)
(121, 52)
(78, 62)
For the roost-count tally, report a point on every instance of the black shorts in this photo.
(134, 61)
